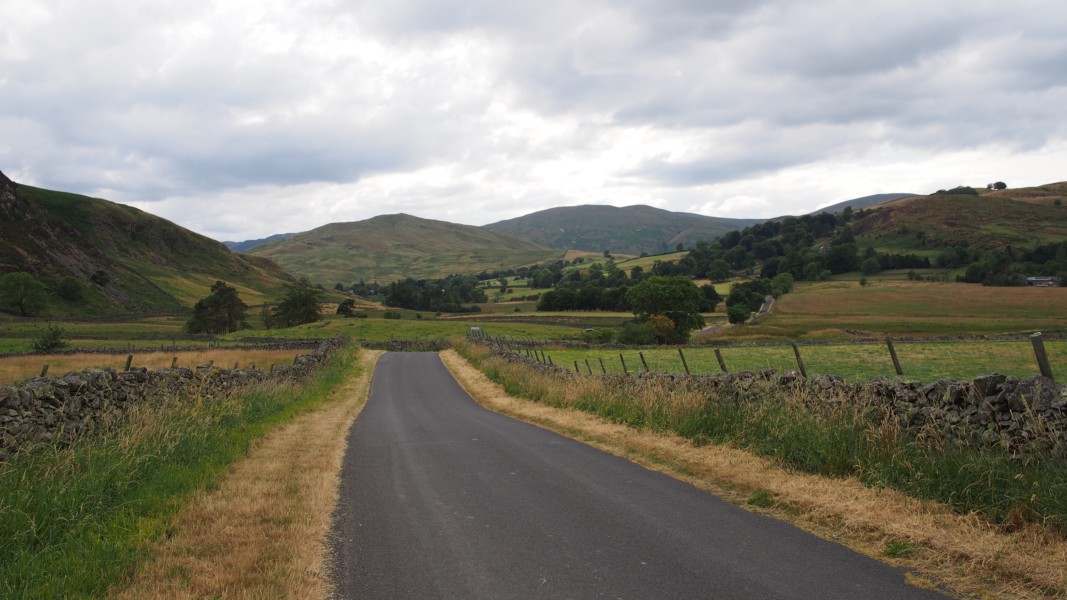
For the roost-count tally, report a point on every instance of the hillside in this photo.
(1021, 218)
(858, 203)
(391, 247)
(626, 230)
(247, 245)
(149, 263)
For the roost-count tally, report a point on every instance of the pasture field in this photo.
(410, 328)
(921, 361)
(646, 262)
(19, 368)
(825, 310)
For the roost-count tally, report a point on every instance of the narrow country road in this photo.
(441, 498)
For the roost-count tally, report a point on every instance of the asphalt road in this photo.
(441, 498)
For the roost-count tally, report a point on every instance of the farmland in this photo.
(846, 310)
(920, 360)
(17, 368)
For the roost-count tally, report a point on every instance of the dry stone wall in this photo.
(56, 410)
(1016, 415)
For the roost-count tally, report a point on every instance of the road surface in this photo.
(441, 498)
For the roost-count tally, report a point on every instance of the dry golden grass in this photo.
(961, 551)
(18, 368)
(262, 532)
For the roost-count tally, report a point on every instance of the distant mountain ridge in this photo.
(628, 230)
(863, 202)
(249, 244)
(150, 264)
(387, 248)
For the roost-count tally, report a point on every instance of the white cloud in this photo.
(244, 119)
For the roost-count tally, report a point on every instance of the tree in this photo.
(871, 266)
(737, 313)
(711, 298)
(22, 292)
(1000, 185)
(220, 312)
(347, 307)
(299, 304)
(70, 288)
(782, 284)
(676, 298)
(719, 270)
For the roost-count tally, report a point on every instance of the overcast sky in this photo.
(240, 119)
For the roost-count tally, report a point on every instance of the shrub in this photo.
(871, 266)
(636, 334)
(51, 339)
(347, 307)
(392, 314)
(737, 313)
(100, 278)
(70, 288)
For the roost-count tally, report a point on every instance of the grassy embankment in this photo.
(832, 440)
(76, 520)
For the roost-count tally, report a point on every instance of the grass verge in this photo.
(76, 520)
(262, 532)
(956, 546)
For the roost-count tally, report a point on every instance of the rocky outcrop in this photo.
(56, 410)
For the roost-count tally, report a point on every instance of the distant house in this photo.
(1043, 281)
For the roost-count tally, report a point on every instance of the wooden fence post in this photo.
(174, 362)
(893, 355)
(800, 361)
(576, 369)
(550, 363)
(722, 363)
(1039, 352)
(603, 369)
(623, 361)
(587, 367)
(129, 361)
(235, 365)
(642, 355)
(44, 370)
(684, 364)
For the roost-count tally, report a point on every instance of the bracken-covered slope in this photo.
(391, 247)
(151, 264)
(627, 230)
(1021, 218)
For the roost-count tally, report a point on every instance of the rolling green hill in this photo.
(626, 230)
(391, 247)
(1021, 218)
(149, 263)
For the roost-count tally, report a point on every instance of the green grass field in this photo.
(839, 309)
(922, 361)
